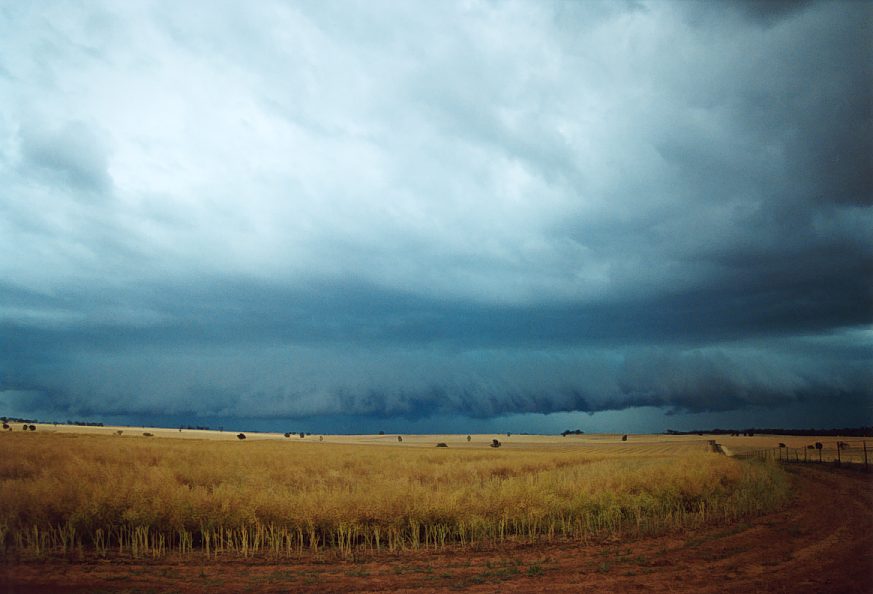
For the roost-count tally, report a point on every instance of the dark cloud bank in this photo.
(554, 209)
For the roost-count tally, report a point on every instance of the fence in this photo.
(835, 452)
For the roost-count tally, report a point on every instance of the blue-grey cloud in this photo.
(435, 209)
(72, 157)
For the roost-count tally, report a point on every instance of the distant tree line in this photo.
(17, 420)
(567, 432)
(31, 421)
(847, 431)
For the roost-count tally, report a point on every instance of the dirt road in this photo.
(823, 542)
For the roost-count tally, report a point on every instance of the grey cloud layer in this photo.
(527, 207)
(277, 380)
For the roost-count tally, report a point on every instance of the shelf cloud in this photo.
(428, 210)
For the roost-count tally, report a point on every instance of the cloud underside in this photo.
(437, 208)
(303, 382)
(350, 351)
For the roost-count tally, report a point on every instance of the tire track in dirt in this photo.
(821, 542)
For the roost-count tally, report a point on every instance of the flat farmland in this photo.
(339, 513)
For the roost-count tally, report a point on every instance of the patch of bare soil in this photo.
(822, 542)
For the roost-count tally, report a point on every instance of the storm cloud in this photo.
(428, 210)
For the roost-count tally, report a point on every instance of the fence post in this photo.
(839, 460)
(804, 454)
(865, 456)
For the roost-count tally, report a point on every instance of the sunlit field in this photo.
(94, 492)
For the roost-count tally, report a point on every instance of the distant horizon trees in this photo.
(750, 432)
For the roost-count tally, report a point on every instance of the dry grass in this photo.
(133, 495)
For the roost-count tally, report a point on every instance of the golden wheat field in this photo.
(96, 492)
(108, 493)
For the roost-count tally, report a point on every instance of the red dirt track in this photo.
(823, 542)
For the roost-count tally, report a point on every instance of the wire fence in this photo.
(839, 453)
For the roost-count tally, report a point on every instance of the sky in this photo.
(437, 216)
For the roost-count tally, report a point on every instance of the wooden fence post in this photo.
(866, 467)
(839, 460)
